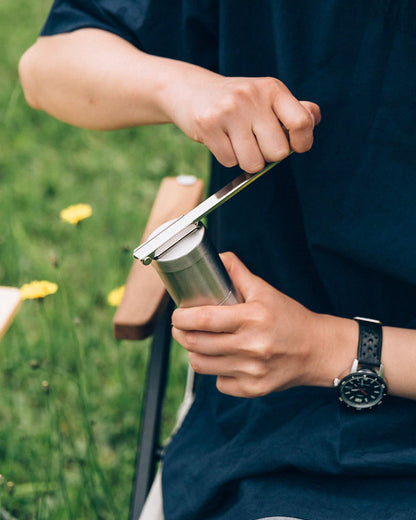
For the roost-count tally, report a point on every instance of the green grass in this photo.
(70, 394)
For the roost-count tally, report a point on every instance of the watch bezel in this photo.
(359, 375)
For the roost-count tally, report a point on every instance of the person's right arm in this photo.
(94, 79)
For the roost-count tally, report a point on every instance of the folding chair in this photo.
(146, 310)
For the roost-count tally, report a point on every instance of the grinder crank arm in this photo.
(185, 224)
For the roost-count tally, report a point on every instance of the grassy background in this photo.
(71, 394)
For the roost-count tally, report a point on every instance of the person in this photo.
(326, 236)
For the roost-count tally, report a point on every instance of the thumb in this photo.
(243, 279)
(314, 111)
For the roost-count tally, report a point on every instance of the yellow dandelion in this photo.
(37, 289)
(115, 296)
(75, 213)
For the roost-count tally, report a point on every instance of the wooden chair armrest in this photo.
(9, 304)
(145, 296)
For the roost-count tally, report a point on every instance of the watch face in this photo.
(362, 389)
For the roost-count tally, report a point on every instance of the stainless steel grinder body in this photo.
(184, 257)
(193, 272)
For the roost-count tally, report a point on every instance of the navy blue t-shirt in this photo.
(333, 228)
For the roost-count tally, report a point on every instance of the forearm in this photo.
(95, 79)
(399, 359)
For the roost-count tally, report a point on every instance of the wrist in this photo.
(335, 345)
(365, 387)
(179, 84)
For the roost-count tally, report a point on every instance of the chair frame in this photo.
(144, 311)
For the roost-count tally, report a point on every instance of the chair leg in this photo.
(148, 448)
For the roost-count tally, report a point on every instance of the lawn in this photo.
(71, 394)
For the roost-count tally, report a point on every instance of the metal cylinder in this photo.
(193, 272)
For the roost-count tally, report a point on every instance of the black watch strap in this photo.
(370, 342)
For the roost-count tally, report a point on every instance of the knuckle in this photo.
(257, 370)
(264, 353)
(258, 315)
(212, 117)
(308, 145)
(229, 386)
(222, 386)
(253, 167)
(303, 145)
(203, 121)
(228, 162)
(190, 339)
(226, 107)
(205, 319)
(254, 388)
(194, 362)
(282, 152)
(303, 121)
(271, 83)
(208, 119)
(243, 90)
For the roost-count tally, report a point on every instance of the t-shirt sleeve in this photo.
(178, 29)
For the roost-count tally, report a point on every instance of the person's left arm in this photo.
(271, 342)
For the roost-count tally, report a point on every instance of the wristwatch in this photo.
(364, 387)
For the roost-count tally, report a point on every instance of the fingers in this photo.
(210, 318)
(298, 118)
(271, 139)
(246, 148)
(253, 121)
(314, 111)
(233, 385)
(239, 369)
(246, 283)
(220, 145)
(207, 343)
(258, 143)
